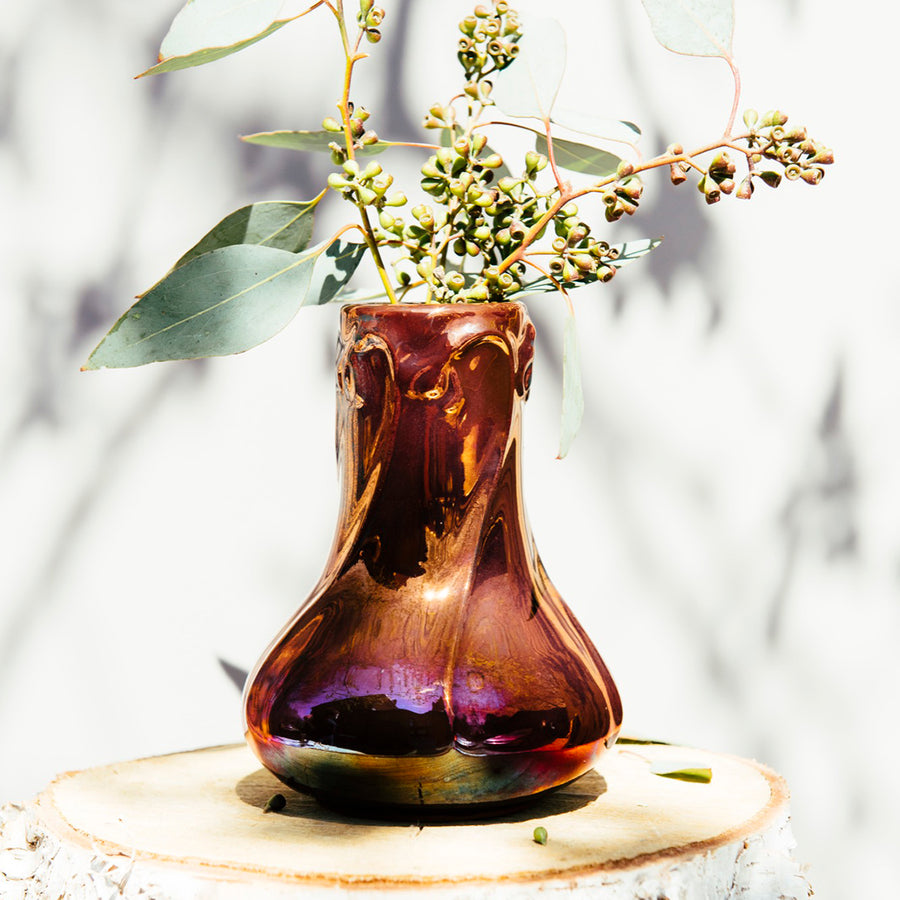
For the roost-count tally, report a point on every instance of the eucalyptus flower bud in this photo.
(373, 35)
(367, 196)
(397, 199)
(624, 169)
(772, 179)
(494, 161)
(331, 124)
(369, 138)
(337, 182)
(751, 117)
(745, 189)
(370, 171)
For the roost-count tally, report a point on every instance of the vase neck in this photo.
(429, 430)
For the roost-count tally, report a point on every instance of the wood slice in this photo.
(192, 825)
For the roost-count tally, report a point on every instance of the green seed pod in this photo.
(386, 220)
(569, 210)
(398, 199)
(624, 169)
(481, 12)
(559, 244)
(812, 175)
(491, 273)
(430, 170)
(772, 179)
(631, 187)
(503, 237)
(468, 25)
(792, 172)
(472, 249)
(745, 189)
(556, 266)
(505, 281)
(435, 187)
(494, 161)
(708, 187)
(577, 235)
(337, 181)
(823, 156)
(614, 213)
(374, 17)
(462, 147)
(351, 167)
(570, 272)
(479, 142)
(381, 184)
(367, 195)
(459, 247)
(471, 90)
(456, 281)
(750, 118)
(482, 233)
(370, 171)
(365, 6)
(507, 184)
(534, 162)
(584, 263)
(425, 267)
(773, 117)
(373, 35)
(721, 166)
(726, 185)
(676, 174)
(331, 124)
(478, 292)
(444, 158)
(369, 138)
(605, 273)
(457, 188)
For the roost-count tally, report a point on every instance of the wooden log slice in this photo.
(192, 825)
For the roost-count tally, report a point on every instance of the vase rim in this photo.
(420, 308)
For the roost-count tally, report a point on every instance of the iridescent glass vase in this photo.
(434, 668)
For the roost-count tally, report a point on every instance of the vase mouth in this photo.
(425, 309)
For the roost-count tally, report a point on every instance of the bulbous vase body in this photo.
(434, 667)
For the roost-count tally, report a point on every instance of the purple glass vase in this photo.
(434, 668)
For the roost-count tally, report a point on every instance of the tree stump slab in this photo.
(192, 825)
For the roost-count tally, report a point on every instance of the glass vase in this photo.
(435, 668)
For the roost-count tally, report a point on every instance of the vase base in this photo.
(451, 785)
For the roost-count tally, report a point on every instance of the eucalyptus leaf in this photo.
(579, 157)
(693, 27)
(225, 301)
(207, 30)
(285, 225)
(316, 141)
(573, 397)
(334, 268)
(693, 772)
(632, 250)
(585, 122)
(528, 88)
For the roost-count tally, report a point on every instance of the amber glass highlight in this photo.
(434, 665)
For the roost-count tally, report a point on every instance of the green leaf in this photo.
(334, 268)
(699, 774)
(528, 88)
(316, 141)
(225, 301)
(573, 397)
(596, 126)
(207, 30)
(632, 250)
(579, 157)
(693, 27)
(284, 225)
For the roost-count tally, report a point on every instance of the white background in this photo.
(727, 525)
